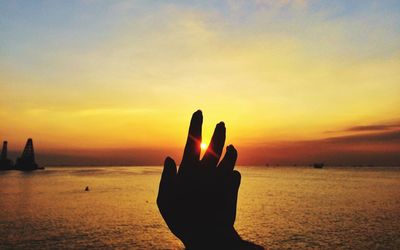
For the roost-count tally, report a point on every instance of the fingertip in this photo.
(197, 115)
(232, 150)
(232, 156)
(196, 122)
(221, 125)
(169, 160)
(220, 129)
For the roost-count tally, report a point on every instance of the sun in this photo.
(203, 145)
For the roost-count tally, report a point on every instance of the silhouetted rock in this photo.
(5, 163)
(27, 160)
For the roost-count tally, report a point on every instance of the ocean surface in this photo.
(278, 207)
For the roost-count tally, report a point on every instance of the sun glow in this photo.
(133, 88)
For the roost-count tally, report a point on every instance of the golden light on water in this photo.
(126, 196)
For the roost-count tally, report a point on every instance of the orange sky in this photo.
(126, 77)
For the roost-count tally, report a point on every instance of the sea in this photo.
(278, 207)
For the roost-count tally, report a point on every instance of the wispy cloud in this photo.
(237, 4)
(380, 137)
(369, 128)
(380, 127)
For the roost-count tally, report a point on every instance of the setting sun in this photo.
(203, 145)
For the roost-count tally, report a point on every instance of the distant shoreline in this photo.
(280, 166)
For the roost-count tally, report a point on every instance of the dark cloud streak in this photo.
(383, 137)
(369, 128)
(372, 128)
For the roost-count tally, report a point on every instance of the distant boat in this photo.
(318, 165)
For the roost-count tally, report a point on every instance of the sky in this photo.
(116, 82)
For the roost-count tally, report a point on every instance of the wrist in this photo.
(217, 239)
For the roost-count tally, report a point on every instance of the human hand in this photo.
(198, 202)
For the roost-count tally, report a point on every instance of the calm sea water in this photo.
(280, 208)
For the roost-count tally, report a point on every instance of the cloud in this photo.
(282, 3)
(382, 137)
(372, 128)
(238, 4)
(369, 128)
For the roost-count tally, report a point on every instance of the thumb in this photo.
(166, 183)
(169, 171)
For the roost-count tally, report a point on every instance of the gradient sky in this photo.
(112, 82)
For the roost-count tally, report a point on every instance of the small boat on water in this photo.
(318, 165)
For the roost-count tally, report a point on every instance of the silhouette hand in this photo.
(198, 202)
